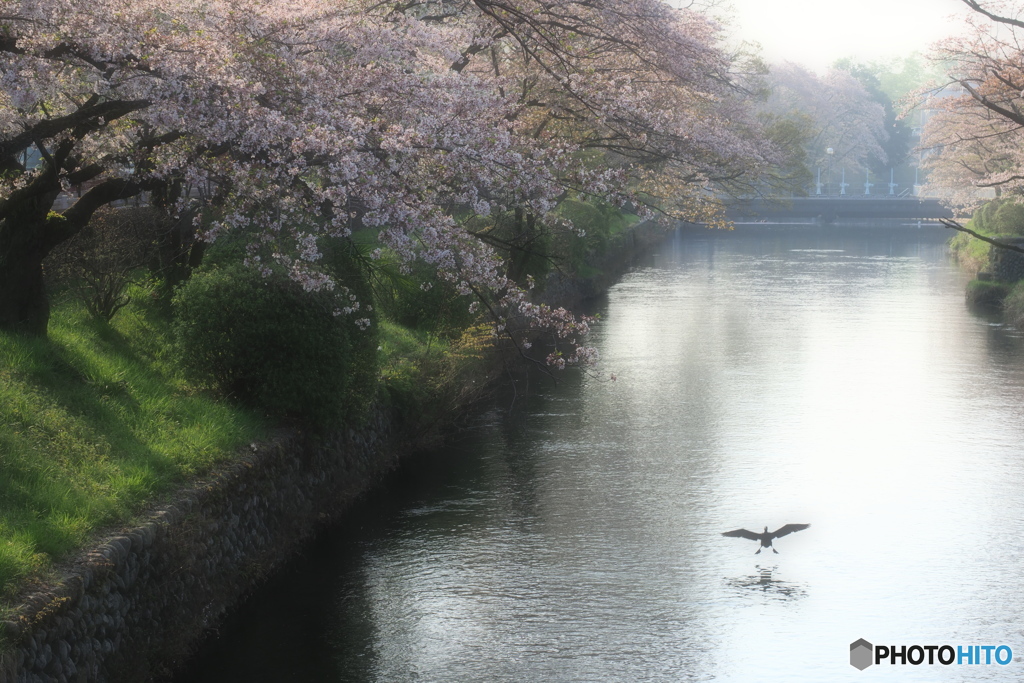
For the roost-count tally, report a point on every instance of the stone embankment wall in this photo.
(133, 607)
(1007, 265)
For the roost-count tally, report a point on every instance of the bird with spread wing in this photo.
(767, 537)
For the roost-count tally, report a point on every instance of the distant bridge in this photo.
(838, 209)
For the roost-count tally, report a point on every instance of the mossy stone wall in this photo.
(1007, 265)
(134, 607)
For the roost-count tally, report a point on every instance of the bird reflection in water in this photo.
(764, 582)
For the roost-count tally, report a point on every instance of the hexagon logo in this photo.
(861, 654)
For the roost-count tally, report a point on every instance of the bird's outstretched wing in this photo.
(743, 533)
(788, 529)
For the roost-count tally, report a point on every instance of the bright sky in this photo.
(818, 32)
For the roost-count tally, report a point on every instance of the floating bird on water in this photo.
(767, 536)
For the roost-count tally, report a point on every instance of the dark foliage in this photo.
(269, 344)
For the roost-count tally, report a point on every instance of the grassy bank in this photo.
(427, 378)
(96, 422)
(987, 292)
(970, 252)
(998, 219)
(1013, 306)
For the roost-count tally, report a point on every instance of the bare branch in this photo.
(953, 225)
(976, 6)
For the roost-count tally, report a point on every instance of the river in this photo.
(773, 375)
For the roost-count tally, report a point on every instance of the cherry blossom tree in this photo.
(291, 122)
(838, 112)
(973, 132)
(298, 116)
(871, 75)
(637, 89)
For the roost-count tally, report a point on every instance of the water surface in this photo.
(772, 375)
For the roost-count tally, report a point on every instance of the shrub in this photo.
(1013, 305)
(986, 216)
(98, 264)
(269, 344)
(1008, 219)
(437, 309)
(977, 221)
(986, 292)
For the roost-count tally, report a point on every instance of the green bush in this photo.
(1013, 305)
(986, 292)
(438, 309)
(601, 222)
(985, 216)
(1008, 219)
(977, 221)
(99, 263)
(267, 343)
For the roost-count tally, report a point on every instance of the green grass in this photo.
(425, 376)
(406, 359)
(94, 422)
(987, 292)
(972, 253)
(1013, 305)
(97, 421)
(622, 221)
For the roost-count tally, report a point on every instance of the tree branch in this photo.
(953, 225)
(87, 115)
(81, 211)
(976, 6)
(992, 106)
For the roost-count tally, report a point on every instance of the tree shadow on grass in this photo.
(92, 429)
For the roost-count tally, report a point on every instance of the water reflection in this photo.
(764, 583)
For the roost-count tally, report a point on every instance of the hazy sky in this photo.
(817, 32)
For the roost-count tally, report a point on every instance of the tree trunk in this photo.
(24, 243)
(29, 230)
(24, 306)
